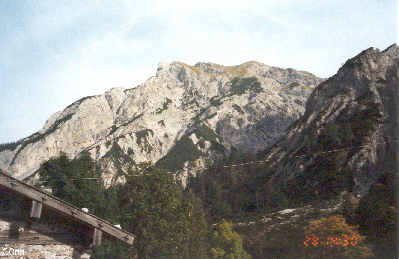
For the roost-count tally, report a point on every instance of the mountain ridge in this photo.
(147, 121)
(357, 106)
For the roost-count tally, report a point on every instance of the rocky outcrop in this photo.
(347, 137)
(183, 118)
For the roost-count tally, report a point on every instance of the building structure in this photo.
(36, 224)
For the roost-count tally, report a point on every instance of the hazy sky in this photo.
(55, 52)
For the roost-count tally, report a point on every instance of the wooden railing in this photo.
(40, 198)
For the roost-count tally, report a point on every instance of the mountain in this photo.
(339, 159)
(347, 137)
(183, 118)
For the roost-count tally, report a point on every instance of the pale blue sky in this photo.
(55, 52)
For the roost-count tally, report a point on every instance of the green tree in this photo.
(377, 216)
(167, 223)
(349, 206)
(377, 211)
(227, 243)
(198, 242)
(114, 250)
(78, 181)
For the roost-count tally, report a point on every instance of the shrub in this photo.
(293, 84)
(332, 237)
(238, 108)
(227, 243)
(208, 134)
(143, 134)
(240, 85)
(164, 106)
(9, 146)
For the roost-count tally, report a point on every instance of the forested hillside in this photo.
(171, 222)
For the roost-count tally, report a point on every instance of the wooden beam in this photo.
(64, 208)
(36, 210)
(97, 237)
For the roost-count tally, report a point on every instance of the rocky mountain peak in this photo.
(354, 111)
(115, 98)
(182, 118)
(369, 62)
(392, 50)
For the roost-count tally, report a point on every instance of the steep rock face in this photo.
(347, 137)
(182, 118)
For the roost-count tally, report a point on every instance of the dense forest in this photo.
(200, 221)
(169, 222)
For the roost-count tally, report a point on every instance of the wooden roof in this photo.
(64, 207)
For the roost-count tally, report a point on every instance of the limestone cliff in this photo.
(182, 118)
(347, 137)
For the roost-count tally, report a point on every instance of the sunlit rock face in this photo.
(182, 119)
(354, 111)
